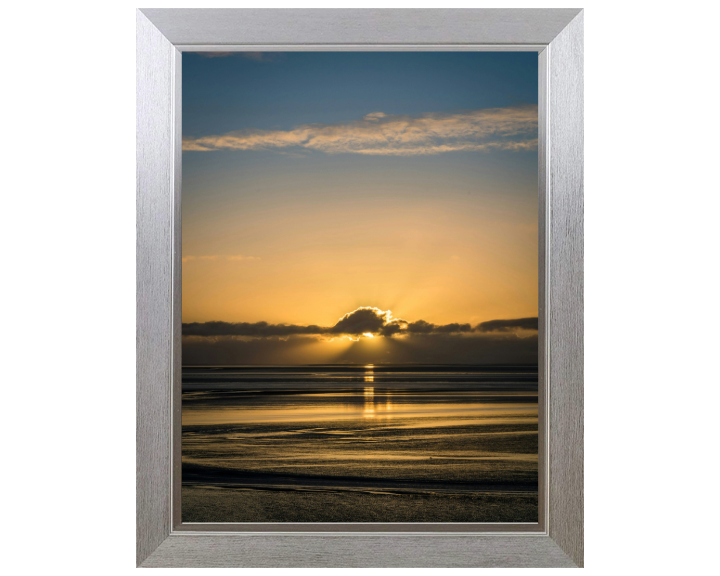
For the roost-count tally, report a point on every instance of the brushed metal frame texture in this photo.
(162, 540)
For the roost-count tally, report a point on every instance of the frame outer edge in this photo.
(356, 551)
(157, 185)
(154, 205)
(565, 272)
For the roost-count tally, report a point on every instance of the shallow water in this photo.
(439, 433)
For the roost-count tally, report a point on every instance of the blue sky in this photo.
(282, 90)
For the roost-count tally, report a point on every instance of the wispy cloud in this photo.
(214, 54)
(219, 257)
(255, 56)
(513, 129)
(259, 56)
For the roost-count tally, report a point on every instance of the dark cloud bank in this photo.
(421, 349)
(361, 321)
(496, 341)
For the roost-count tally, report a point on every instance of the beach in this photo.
(360, 444)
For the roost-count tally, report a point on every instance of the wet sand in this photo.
(381, 447)
(213, 504)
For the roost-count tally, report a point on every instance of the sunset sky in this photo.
(401, 184)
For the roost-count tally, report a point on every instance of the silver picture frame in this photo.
(162, 539)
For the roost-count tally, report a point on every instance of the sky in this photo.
(359, 206)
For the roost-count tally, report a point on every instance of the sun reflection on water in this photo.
(369, 374)
(369, 411)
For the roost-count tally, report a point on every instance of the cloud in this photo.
(259, 56)
(512, 129)
(214, 54)
(422, 327)
(256, 329)
(255, 56)
(476, 348)
(508, 325)
(374, 116)
(363, 320)
(233, 257)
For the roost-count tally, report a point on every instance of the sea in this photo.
(360, 443)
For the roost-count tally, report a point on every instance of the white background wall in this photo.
(67, 224)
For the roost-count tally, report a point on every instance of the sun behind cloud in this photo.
(365, 321)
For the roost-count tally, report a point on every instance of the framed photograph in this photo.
(359, 286)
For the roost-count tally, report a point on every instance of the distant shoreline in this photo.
(373, 367)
